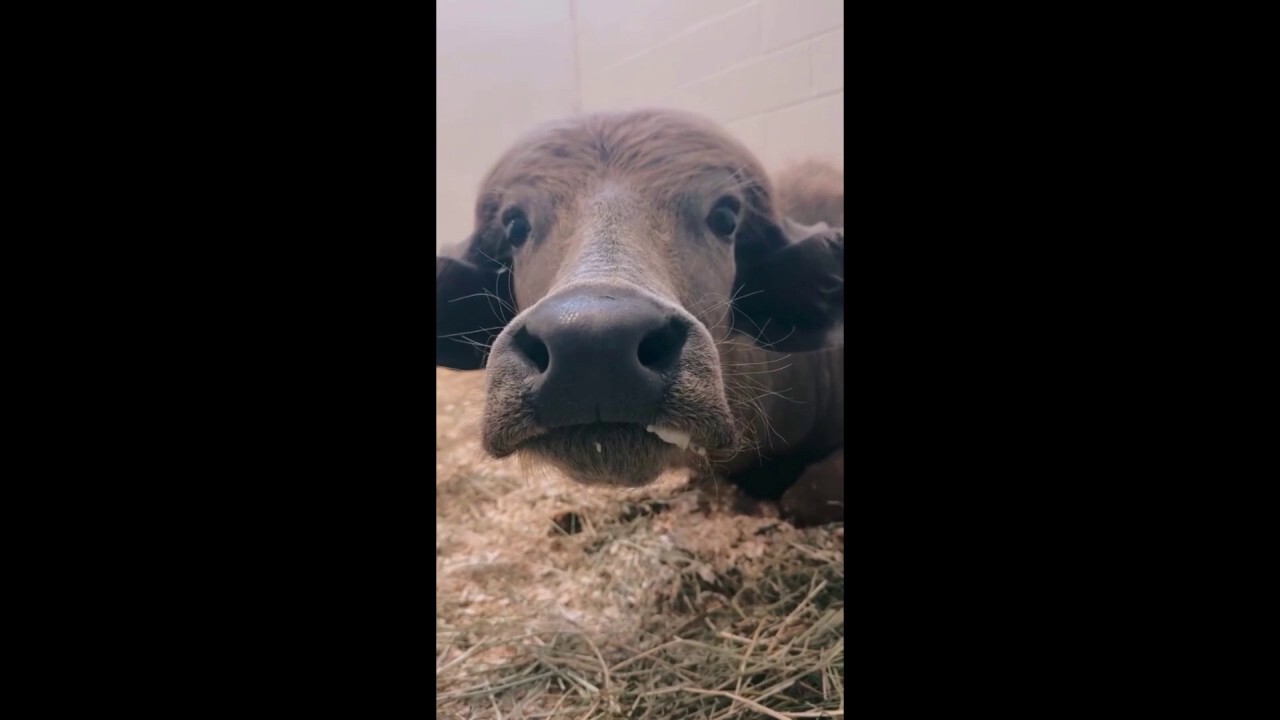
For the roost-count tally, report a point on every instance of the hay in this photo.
(556, 600)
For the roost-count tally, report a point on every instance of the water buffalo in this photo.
(644, 296)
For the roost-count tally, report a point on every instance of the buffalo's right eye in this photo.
(723, 219)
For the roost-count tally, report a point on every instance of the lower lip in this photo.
(669, 436)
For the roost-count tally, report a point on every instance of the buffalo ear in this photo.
(790, 286)
(473, 304)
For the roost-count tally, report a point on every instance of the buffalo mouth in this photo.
(603, 453)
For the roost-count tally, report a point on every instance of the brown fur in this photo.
(812, 192)
(621, 200)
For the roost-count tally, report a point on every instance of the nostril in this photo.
(532, 348)
(660, 349)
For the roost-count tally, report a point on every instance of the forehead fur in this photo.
(657, 150)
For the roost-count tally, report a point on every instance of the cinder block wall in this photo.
(771, 71)
(502, 66)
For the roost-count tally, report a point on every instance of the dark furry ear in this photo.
(790, 286)
(473, 304)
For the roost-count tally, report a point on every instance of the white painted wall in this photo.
(771, 71)
(502, 66)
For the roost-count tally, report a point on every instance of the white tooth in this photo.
(598, 448)
(679, 438)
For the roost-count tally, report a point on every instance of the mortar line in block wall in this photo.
(808, 66)
(765, 56)
(672, 38)
(810, 38)
(787, 106)
(577, 61)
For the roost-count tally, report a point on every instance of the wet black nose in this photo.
(599, 356)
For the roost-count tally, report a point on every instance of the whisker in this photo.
(758, 372)
(470, 332)
(762, 362)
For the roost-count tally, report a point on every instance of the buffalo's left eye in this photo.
(517, 226)
(723, 220)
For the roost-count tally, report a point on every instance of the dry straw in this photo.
(557, 601)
